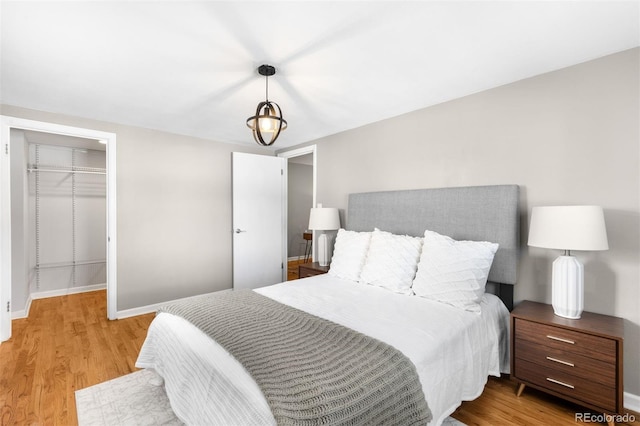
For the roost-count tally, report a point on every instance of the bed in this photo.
(453, 350)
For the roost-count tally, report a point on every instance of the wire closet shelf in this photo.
(37, 168)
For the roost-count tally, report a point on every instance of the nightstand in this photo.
(578, 360)
(310, 269)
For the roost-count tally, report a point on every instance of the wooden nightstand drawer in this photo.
(566, 362)
(567, 340)
(579, 388)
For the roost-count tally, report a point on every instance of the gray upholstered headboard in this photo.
(478, 213)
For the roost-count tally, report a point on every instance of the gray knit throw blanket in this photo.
(311, 370)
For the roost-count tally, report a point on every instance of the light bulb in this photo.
(266, 124)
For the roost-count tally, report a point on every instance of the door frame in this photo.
(6, 124)
(298, 152)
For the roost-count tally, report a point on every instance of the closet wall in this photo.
(19, 222)
(65, 220)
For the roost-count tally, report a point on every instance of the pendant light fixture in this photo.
(268, 121)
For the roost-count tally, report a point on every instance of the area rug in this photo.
(136, 399)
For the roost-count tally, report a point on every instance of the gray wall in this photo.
(300, 201)
(566, 137)
(173, 210)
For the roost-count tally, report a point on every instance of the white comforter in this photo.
(454, 351)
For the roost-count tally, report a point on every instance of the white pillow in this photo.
(392, 261)
(453, 272)
(349, 254)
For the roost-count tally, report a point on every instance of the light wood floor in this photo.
(67, 344)
(498, 405)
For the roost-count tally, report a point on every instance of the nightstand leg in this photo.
(520, 389)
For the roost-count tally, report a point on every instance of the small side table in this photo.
(310, 269)
(308, 238)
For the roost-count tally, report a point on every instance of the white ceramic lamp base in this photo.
(568, 287)
(323, 249)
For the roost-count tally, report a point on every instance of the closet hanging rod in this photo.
(90, 172)
(64, 264)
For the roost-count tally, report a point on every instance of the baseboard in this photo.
(632, 402)
(149, 309)
(142, 310)
(295, 258)
(24, 313)
(67, 291)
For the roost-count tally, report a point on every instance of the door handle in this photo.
(238, 230)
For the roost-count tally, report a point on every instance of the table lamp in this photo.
(568, 228)
(323, 219)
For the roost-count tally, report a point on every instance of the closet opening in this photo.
(60, 217)
(67, 214)
(57, 215)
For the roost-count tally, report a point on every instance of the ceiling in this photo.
(190, 67)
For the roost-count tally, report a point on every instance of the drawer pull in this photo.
(570, 364)
(560, 339)
(558, 382)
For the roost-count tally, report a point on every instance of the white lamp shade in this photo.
(568, 228)
(324, 219)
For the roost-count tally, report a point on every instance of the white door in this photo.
(258, 220)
